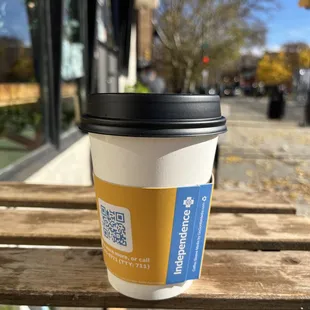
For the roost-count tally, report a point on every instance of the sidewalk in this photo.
(258, 154)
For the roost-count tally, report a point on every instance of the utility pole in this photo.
(306, 4)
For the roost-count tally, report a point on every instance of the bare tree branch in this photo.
(184, 26)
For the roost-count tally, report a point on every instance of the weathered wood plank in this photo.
(258, 232)
(254, 202)
(226, 231)
(230, 280)
(47, 196)
(49, 227)
(83, 197)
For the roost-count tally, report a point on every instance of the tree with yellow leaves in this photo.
(304, 58)
(273, 69)
(304, 4)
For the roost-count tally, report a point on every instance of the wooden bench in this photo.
(257, 253)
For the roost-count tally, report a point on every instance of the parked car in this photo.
(213, 90)
(238, 91)
(228, 91)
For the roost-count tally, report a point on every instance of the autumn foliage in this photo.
(304, 58)
(277, 68)
(273, 69)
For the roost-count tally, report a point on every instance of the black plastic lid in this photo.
(153, 115)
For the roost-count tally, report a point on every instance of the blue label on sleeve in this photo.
(188, 233)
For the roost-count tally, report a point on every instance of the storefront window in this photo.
(107, 49)
(105, 32)
(72, 68)
(20, 106)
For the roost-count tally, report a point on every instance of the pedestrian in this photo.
(149, 77)
(276, 108)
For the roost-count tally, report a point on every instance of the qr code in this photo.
(116, 226)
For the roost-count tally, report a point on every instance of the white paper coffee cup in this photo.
(169, 144)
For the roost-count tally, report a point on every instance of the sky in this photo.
(14, 20)
(288, 24)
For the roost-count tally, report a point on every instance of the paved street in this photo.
(256, 109)
(257, 153)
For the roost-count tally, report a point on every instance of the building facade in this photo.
(53, 53)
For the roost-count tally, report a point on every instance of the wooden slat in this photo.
(49, 227)
(230, 280)
(47, 196)
(82, 197)
(259, 232)
(256, 202)
(226, 231)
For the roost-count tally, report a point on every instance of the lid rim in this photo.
(150, 115)
(153, 133)
(160, 122)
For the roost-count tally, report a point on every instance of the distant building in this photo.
(247, 68)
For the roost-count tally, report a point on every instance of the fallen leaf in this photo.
(233, 159)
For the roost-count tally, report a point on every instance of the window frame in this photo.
(50, 19)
